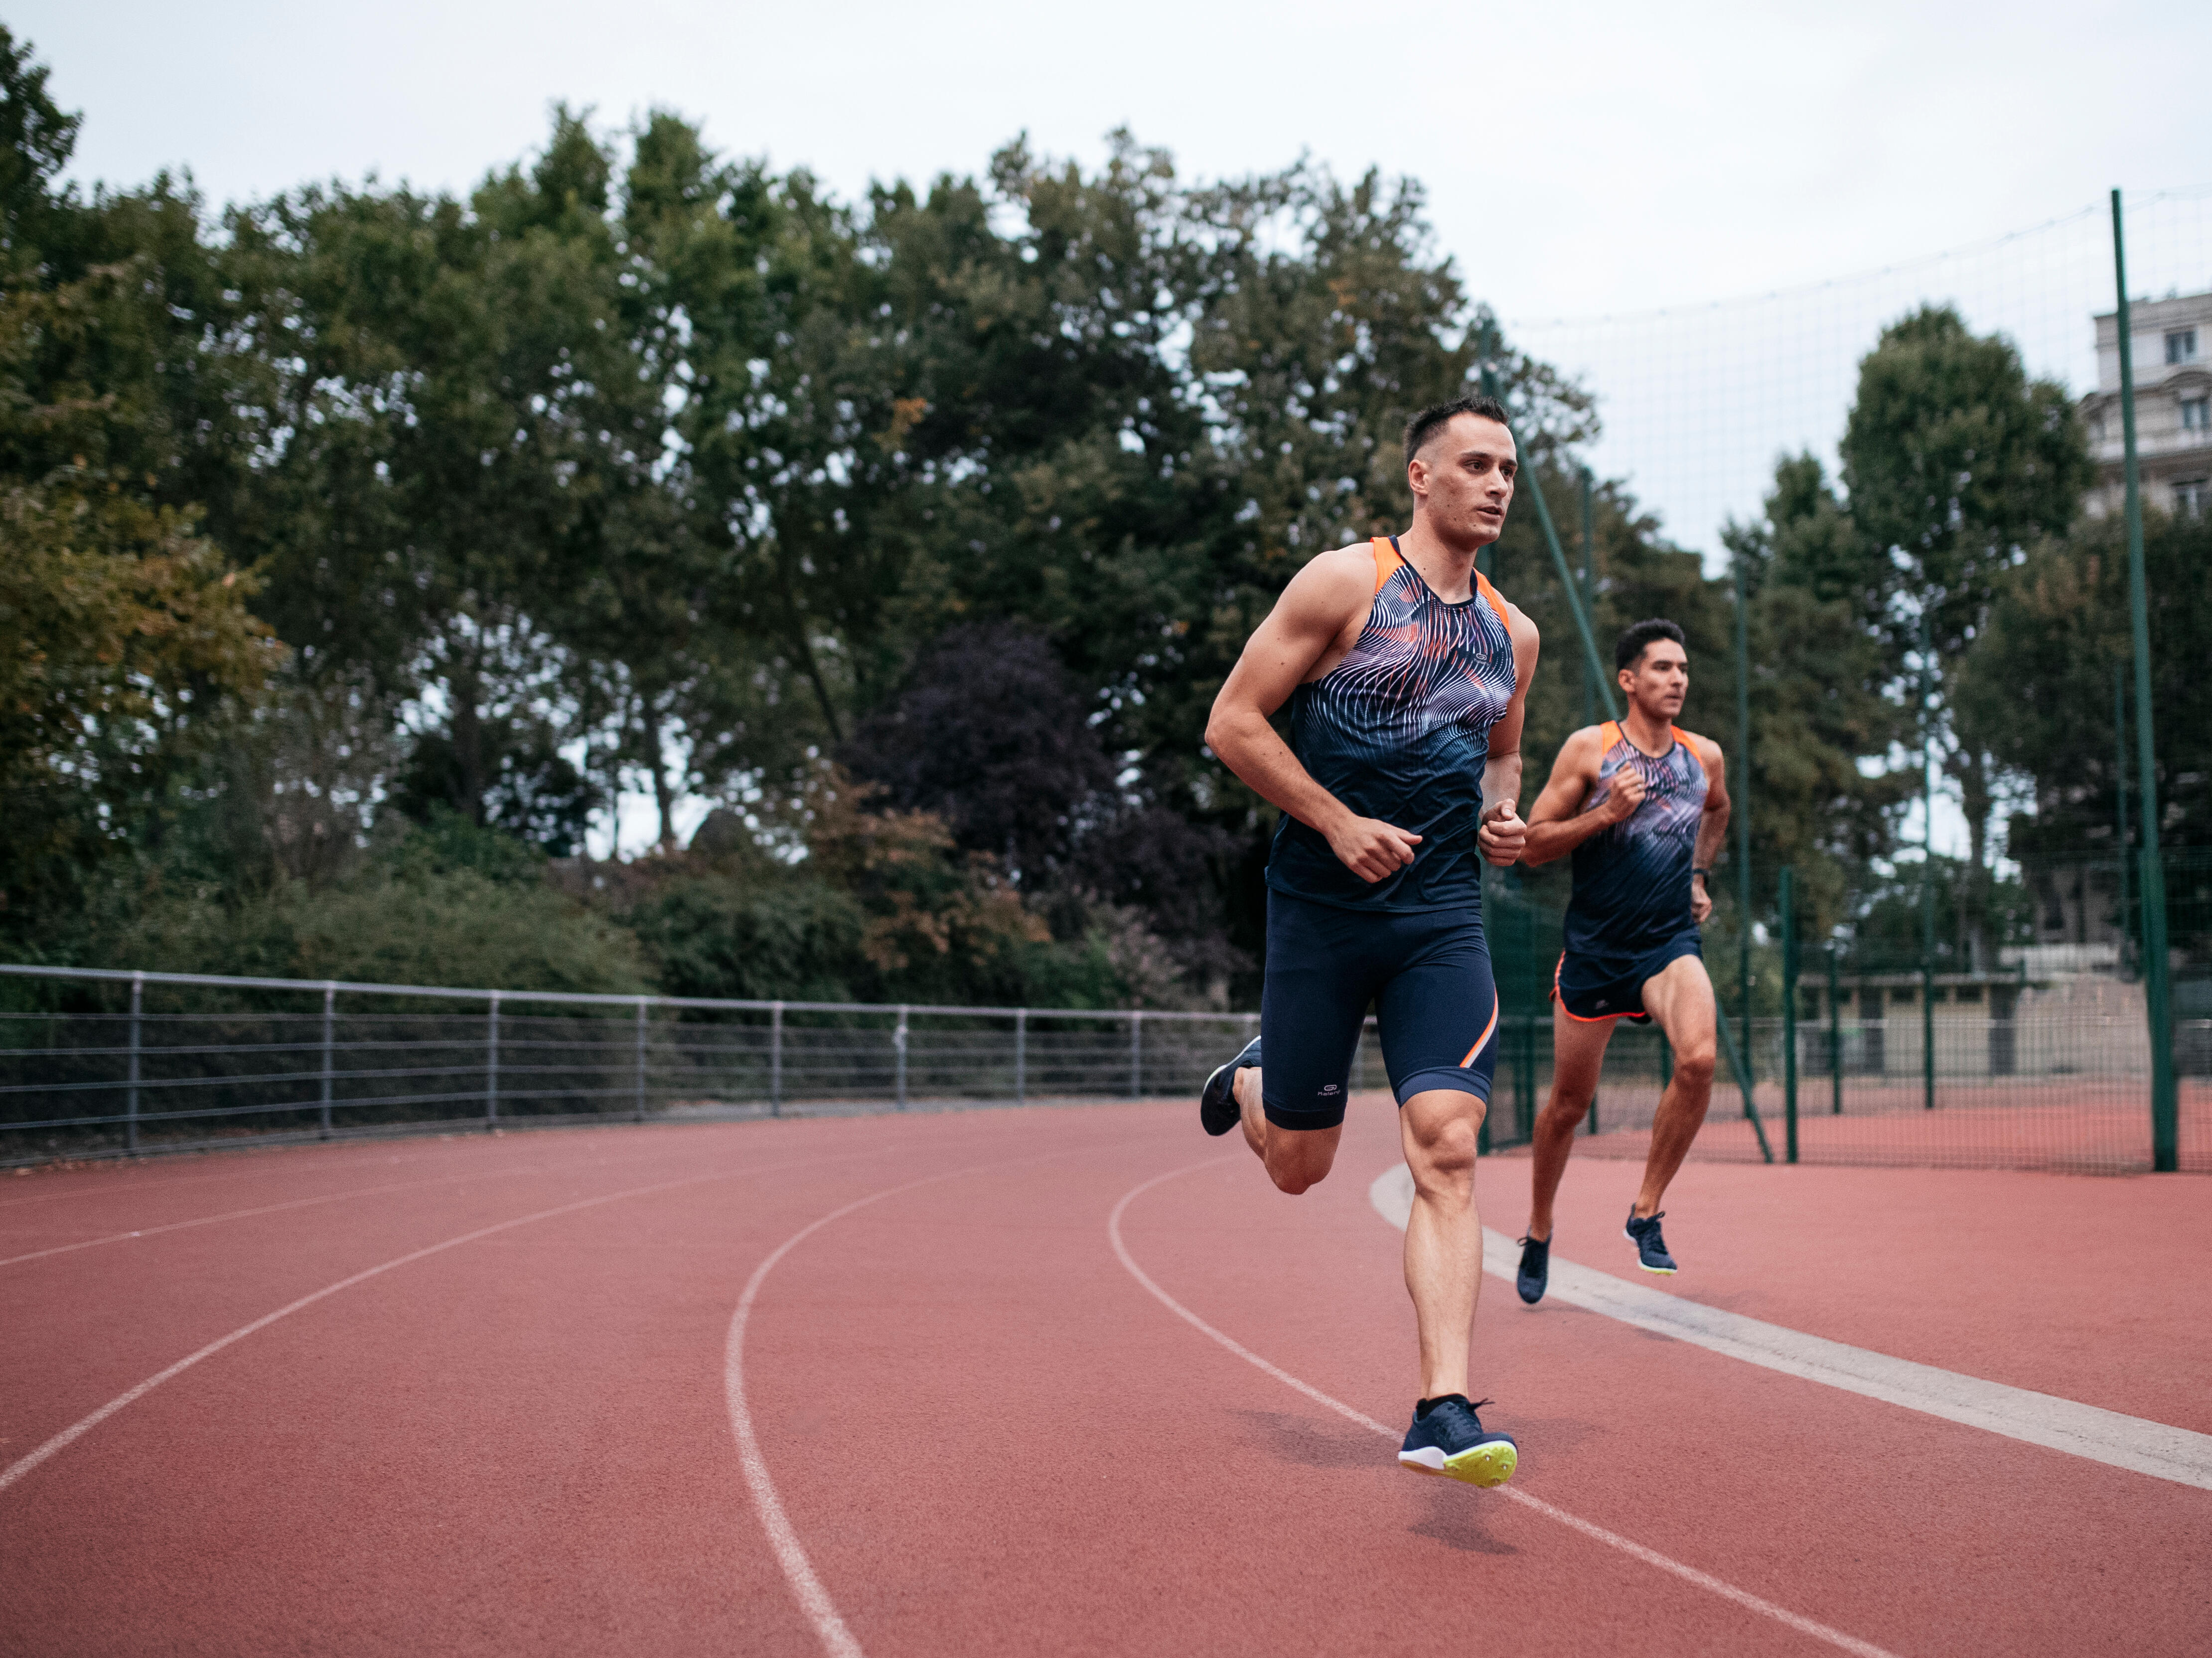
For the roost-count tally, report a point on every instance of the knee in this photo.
(1294, 1178)
(1444, 1157)
(1565, 1110)
(1693, 1064)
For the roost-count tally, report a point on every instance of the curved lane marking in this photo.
(2060, 1424)
(1726, 1591)
(790, 1554)
(278, 1208)
(77, 1430)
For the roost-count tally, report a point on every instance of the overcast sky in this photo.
(1580, 158)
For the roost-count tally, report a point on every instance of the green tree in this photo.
(1955, 461)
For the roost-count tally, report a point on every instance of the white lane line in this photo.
(278, 1208)
(2060, 1424)
(814, 1598)
(77, 1430)
(1706, 1580)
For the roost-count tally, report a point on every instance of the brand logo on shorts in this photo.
(1601, 1001)
(1328, 1088)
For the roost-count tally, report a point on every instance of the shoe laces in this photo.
(1651, 1229)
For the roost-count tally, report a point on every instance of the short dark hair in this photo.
(1635, 640)
(1423, 426)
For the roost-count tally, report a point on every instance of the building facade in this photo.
(2172, 344)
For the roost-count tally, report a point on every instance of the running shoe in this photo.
(1218, 1110)
(1536, 1269)
(1650, 1248)
(1447, 1438)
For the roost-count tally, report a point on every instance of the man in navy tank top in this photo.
(1643, 804)
(1406, 676)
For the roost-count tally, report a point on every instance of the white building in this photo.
(2173, 406)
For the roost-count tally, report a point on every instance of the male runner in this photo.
(1406, 676)
(1642, 806)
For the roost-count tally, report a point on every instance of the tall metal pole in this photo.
(2165, 1140)
(2120, 801)
(1589, 587)
(898, 1040)
(1927, 876)
(1788, 901)
(1835, 1039)
(641, 1058)
(1021, 1055)
(491, 1063)
(1740, 803)
(1136, 1054)
(775, 1059)
(137, 1012)
(330, 1032)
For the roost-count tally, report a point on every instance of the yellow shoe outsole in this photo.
(1485, 1466)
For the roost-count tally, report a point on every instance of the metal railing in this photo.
(127, 1059)
(99, 1062)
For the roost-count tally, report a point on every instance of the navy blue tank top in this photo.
(1632, 879)
(1399, 730)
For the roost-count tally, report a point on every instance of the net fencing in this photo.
(2021, 1038)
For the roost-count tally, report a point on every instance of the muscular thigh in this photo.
(1679, 998)
(1312, 1004)
(1439, 1009)
(1577, 1053)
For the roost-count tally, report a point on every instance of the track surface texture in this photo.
(894, 1385)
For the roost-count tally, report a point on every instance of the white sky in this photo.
(1580, 159)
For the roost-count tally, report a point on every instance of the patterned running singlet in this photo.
(1399, 730)
(1632, 879)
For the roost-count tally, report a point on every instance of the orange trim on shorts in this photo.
(1488, 1032)
(1559, 996)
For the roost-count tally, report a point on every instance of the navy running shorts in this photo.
(1427, 974)
(1592, 988)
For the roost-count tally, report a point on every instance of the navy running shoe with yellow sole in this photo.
(1650, 1248)
(1536, 1269)
(1447, 1438)
(1217, 1111)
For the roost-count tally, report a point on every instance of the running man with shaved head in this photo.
(1406, 676)
(1642, 806)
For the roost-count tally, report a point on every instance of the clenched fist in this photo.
(1370, 848)
(1501, 834)
(1624, 794)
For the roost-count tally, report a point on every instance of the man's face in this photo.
(1463, 479)
(1657, 681)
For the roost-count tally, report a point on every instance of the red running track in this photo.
(983, 1434)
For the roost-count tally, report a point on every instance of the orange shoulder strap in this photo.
(1388, 563)
(1695, 744)
(1496, 603)
(1609, 735)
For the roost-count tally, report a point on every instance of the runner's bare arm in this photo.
(1325, 601)
(1501, 831)
(1712, 830)
(1558, 822)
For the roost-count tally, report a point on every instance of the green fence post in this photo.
(1742, 1078)
(1790, 1013)
(2165, 1140)
(1589, 603)
(1740, 804)
(1927, 879)
(2120, 801)
(1835, 1036)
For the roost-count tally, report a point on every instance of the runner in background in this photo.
(1642, 806)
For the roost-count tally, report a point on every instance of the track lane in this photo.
(523, 1445)
(518, 1444)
